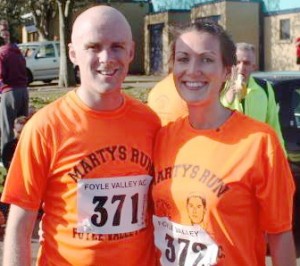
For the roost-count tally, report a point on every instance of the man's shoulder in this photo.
(4, 49)
(47, 114)
(259, 87)
(141, 108)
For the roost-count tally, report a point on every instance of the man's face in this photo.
(246, 63)
(196, 210)
(103, 52)
(5, 35)
(18, 129)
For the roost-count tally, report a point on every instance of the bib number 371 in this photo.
(112, 205)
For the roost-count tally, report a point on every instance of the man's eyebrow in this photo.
(91, 44)
(119, 43)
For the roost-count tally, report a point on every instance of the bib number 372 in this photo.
(112, 205)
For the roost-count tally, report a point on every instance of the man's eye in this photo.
(92, 47)
(118, 46)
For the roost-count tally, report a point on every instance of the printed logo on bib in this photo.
(183, 245)
(112, 205)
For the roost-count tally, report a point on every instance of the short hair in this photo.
(3, 22)
(203, 200)
(245, 47)
(227, 46)
(21, 120)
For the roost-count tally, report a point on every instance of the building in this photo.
(272, 26)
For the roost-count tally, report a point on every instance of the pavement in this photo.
(138, 81)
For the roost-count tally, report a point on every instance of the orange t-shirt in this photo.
(166, 102)
(219, 188)
(93, 166)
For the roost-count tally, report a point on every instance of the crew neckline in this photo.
(214, 131)
(112, 113)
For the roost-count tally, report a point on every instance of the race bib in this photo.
(183, 245)
(112, 205)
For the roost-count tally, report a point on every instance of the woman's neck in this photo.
(201, 117)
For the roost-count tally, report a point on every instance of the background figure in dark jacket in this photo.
(9, 148)
(13, 85)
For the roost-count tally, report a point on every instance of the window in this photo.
(215, 19)
(46, 51)
(296, 106)
(285, 29)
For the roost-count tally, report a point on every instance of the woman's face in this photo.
(198, 69)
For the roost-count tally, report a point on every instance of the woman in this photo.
(235, 163)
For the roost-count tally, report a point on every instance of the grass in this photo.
(40, 97)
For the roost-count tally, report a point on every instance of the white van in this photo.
(42, 60)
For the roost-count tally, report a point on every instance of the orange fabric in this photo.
(166, 102)
(66, 141)
(240, 170)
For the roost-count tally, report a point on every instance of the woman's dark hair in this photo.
(228, 49)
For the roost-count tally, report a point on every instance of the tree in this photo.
(66, 71)
(43, 12)
(11, 11)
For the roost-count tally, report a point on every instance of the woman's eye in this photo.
(206, 60)
(182, 59)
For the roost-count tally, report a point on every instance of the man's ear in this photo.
(72, 54)
(254, 67)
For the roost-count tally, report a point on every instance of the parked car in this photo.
(286, 86)
(42, 60)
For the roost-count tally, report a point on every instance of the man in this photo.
(87, 158)
(13, 80)
(258, 101)
(196, 208)
(298, 51)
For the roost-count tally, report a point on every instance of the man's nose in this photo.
(104, 55)
(241, 67)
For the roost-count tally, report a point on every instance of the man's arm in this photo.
(17, 243)
(282, 249)
(272, 115)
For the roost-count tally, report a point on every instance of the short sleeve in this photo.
(275, 189)
(27, 177)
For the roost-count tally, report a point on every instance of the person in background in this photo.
(9, 148)
(233, 161)
(298, 51)
(87, 157)
(165, 101)
(13, 86)
(255, 99)
(3, 25)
